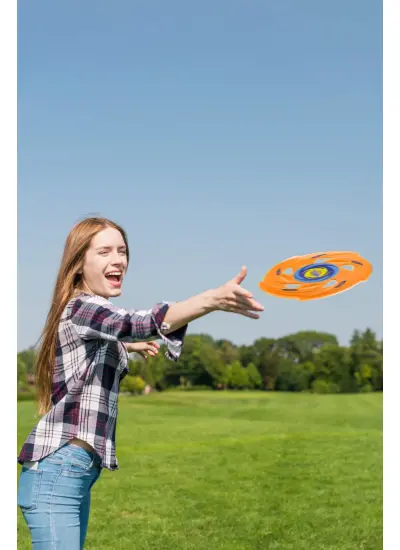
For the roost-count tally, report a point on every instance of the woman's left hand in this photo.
(143, 348)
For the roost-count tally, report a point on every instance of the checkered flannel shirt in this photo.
(91, 360)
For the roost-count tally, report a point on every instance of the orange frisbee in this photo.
(317, 275)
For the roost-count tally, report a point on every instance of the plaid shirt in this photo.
(91, 360)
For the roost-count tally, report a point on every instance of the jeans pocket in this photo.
(29, 488)
(79, 463)
(53, 459)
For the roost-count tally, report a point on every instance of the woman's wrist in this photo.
(182, 313)
(210, 300)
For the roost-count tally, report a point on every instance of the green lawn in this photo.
(238, 471)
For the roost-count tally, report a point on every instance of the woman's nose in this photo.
(116, 259)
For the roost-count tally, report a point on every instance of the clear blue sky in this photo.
(217, 133)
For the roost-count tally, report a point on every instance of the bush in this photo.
(293, 377)
(239, 377)
(189, 387)
(367, 388)
(255, 380)
(26, 396)
(324, 386)
(133, 384)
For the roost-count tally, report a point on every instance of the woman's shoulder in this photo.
(82, 298)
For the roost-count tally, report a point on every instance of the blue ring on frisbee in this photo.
(315, 273)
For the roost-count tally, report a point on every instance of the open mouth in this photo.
(115, 278)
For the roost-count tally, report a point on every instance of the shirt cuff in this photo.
(174, 340)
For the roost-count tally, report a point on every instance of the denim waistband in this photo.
(67, 449)
(74, 449)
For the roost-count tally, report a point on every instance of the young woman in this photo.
(81, 361)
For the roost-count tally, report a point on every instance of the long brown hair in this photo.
(68, 281)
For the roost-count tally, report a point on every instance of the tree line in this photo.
(304, 361)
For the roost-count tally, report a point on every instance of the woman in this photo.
(81, 361)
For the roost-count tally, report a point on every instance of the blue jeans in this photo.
(54, 497)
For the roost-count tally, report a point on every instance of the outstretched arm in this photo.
(96, 318)
(228, 297)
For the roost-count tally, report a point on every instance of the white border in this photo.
(391, 185)
(391, 302)
(8, 278)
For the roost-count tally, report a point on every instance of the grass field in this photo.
(238, 471)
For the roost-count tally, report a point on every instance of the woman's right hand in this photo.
(233, 298)
(228, 297)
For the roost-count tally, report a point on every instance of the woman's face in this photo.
(105, 264)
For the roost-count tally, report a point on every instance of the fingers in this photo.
(240, 291)
(240, 276)
(233, 297)
(153, 348)
(244, 312)
(243, 309)
(147, 348)
(246, 303)
(240, 300)
(243, 297)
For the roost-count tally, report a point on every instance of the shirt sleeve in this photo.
(97, 318)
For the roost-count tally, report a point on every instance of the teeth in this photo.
(116, 273)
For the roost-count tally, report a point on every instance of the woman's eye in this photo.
(104, 252)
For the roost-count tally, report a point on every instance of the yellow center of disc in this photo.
(315, 272)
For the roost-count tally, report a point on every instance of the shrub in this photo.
(324, 386)
(189, 387)
(293, 377)
(26, 396)
(367, 388)
(239, 377)
(255, 380)
(133, 384)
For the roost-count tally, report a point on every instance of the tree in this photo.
(296, 362)
(239, 377)
(366, 361)
(255, 380)
(369, 341)
(155, 370)
(22, 370)
(217, 369)
(332, 364)
(247, 355)
(28, 358)
(301, 346)
(196, 363)
(227, 351)
(145, 370)
(266, 358)
(294, 376)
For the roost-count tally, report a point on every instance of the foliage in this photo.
(305, 361)
(324, 386)
(133, 384)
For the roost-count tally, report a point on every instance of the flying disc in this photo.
(317, 275)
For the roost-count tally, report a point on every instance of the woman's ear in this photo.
(77, 277)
